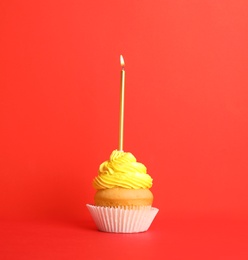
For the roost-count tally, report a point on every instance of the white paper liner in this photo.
(121, 220)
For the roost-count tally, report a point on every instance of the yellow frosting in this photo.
(122, 170)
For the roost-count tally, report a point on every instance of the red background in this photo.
(186, 119)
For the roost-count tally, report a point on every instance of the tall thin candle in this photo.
(122, 92)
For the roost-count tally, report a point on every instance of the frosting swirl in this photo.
(122, 170)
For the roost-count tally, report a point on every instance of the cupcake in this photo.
(123, 200)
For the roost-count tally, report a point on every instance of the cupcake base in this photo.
(122, 220)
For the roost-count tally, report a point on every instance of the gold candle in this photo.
(122, 92)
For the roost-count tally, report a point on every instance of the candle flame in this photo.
(122, 61)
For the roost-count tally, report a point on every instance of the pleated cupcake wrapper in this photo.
(121, 220)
